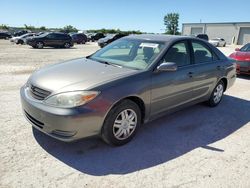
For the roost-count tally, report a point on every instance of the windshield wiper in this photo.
(104, 62)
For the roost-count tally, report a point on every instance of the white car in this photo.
(218, 42)
(21, 39)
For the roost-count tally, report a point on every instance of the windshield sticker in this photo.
(149, 45)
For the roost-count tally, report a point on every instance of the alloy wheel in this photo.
(125, 124)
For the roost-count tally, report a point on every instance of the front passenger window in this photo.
(178, 54)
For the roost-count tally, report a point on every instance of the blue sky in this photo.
(144, 15)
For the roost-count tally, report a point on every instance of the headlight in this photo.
(71, 99)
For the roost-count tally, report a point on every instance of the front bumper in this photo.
(62, 123)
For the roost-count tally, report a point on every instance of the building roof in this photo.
(220, 23)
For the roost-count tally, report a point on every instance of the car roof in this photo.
(158, 37)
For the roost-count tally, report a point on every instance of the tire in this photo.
(39, 45)
(224, 45)
(216, 95)
(121, 123)
(19, 42)
(66, 45)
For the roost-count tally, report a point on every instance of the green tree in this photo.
(29, 27)
(171, 21)
(43, 28)
(69, 29)
(3, 26)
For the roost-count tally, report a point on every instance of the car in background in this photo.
(96, 37)
(5, 35)
(21, 32)
(202, 36)
(218, 42)
(129, 82)
(79, 38)
(89, 36)
(242, 57)
(22, 39)
(110, 38)
(51, 39)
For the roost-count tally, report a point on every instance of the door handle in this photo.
(190, 74)
(219, 67)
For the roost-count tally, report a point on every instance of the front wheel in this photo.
(121, 123)
(216, 95)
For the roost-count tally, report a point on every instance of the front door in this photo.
(173, 89)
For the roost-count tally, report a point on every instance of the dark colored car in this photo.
(4, 35)
(97, 36)
(109, 38)
(202, 36)
(20, 33)
(79, 38)
(51, 39)
(242, 57)
(131, 81)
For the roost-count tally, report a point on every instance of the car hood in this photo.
(241, 56)
(77, 74)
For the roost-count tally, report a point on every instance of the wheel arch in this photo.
(225, 82)
(134, 99)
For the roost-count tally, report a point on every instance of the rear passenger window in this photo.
(178, 54)
(202, 54)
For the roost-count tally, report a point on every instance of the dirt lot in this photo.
(196, 147)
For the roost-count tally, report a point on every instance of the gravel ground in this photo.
(196, 147)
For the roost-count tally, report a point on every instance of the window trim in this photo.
(207, 47)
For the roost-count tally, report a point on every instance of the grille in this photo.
(34, 121)
(39, 93)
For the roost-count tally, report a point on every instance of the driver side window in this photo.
(178, 54)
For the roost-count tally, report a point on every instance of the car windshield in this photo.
(130, 53)
(216, 39)
(245, 48)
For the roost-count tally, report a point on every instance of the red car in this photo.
(242, 57)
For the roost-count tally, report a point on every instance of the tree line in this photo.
(171, 21)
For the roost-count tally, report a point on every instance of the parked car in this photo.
(89, 36)
(218, 42)
(5, 35)
(115, 90)
(51, 39)
(202, 36)
(22, 39)
(242, 57)
(109, 38)
(79, 38)
(97, 36)
(21, 32)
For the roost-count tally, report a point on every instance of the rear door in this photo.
(207, 68)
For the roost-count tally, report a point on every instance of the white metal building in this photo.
(232, 32)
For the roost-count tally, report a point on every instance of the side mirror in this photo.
(237, 49)
(166, 67)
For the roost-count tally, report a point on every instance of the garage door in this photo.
(244, 36)
(196, 30)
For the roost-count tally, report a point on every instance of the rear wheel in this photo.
(216, 95)
(66, 45)
(121, 123)
(39, 45)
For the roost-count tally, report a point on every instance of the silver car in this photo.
(127, 83)
(218, 42)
